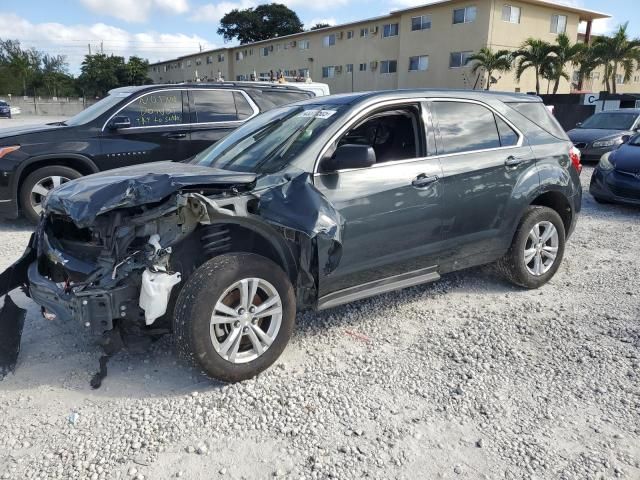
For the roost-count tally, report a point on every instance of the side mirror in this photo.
(120, 122)
(625, 138)
(349, 156)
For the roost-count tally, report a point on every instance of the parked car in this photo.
(604, 131)
(131, 125)
(616, 179)
(5, 109)
(308, 206)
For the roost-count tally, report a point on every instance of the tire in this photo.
(513, 265)
(33, 179)
(198, 341)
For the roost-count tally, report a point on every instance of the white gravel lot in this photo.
(466, 378)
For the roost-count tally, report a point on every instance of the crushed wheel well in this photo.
(558, 202)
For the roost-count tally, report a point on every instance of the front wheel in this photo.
(37, 186)
(235, 316)
(536, 250)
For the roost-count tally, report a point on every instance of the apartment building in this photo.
(423, 46)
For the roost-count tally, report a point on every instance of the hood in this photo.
(589, 135)
(27, 129)
(626, 158)
(85, 198)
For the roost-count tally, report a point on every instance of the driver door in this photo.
(393, 209)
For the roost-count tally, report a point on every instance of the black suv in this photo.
(131, 125)
(307, 206)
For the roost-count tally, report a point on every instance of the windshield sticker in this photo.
(317, 113)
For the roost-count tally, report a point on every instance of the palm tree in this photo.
(533, 53)
(565, 52)
(586, 61)
(616, 52)
(490, 62)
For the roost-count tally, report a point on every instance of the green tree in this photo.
(137, 69)
(54, 73)
(100, 73)
(615, 52)
(19, 62)
(586, 61)
(318, 26)
(564, 53)
(259, 23)
(533, 54)
(490, 61)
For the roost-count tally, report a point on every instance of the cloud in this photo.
(73, 40)
(135, 10)
(213, 12)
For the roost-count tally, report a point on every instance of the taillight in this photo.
(574, 155)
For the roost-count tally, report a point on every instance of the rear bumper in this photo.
(93, 309)
(615, 187)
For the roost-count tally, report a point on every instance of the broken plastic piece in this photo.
(11, 325)
(155, 292)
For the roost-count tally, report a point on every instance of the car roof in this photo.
(356, 97)
(192, 85)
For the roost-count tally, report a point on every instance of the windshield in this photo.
(97, 109)
(270, 141)
(3, 104)
(610, 121)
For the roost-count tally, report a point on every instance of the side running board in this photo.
(376, 287)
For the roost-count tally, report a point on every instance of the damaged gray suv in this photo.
(307, 206)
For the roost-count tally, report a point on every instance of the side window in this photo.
(508, 137)
(242, 106)
(155, 109)
(268, 99)
(214, 106)
(465, 127)
(395, 134)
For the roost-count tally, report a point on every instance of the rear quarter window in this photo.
(267, 100)
(538, 113)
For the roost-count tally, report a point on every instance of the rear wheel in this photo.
(234, 316)
(537, 248)
(37, 186)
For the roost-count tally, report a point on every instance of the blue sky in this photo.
(161, 29)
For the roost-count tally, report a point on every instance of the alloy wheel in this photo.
(42, 188)
(246, 320)
(541, 248)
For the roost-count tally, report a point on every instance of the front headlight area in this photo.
(605, 163)
(612, 142)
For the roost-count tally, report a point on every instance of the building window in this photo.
(328, 72)
(305, 44)
(264, 52)
(303, 72)
(188, 64)
(459, 59)
(209, 59)
(390, 30)
(636, 79)
(575, 77)
(388, 66)
(558, 23)
(418, 63)
(239, 56)
(464, 15)
(349, 67)
(423, 22)
(595, 76)
(619, 79)
(364, 32)
(329, 40)
(349, 34)
(511, 14)
(363, 67)
(220, 57)
(198, 61)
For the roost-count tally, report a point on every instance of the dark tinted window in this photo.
(3, 104)
(267, 100)
(242, 106)
(538, 113)
(214, 106)
(508, 137)
(610, 121)
(466, 126)
(157, 108)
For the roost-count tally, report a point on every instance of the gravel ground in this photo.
(465, 378)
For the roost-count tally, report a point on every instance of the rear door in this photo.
(215, 113)
(159, 131)
(393, 209)
(483, 158)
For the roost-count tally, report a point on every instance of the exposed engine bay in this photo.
(112, 252)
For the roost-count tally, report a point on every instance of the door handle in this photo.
(512, 161)
(177, 135)
(423, 180)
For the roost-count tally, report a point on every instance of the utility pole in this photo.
(101, 46)
(89, 45)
